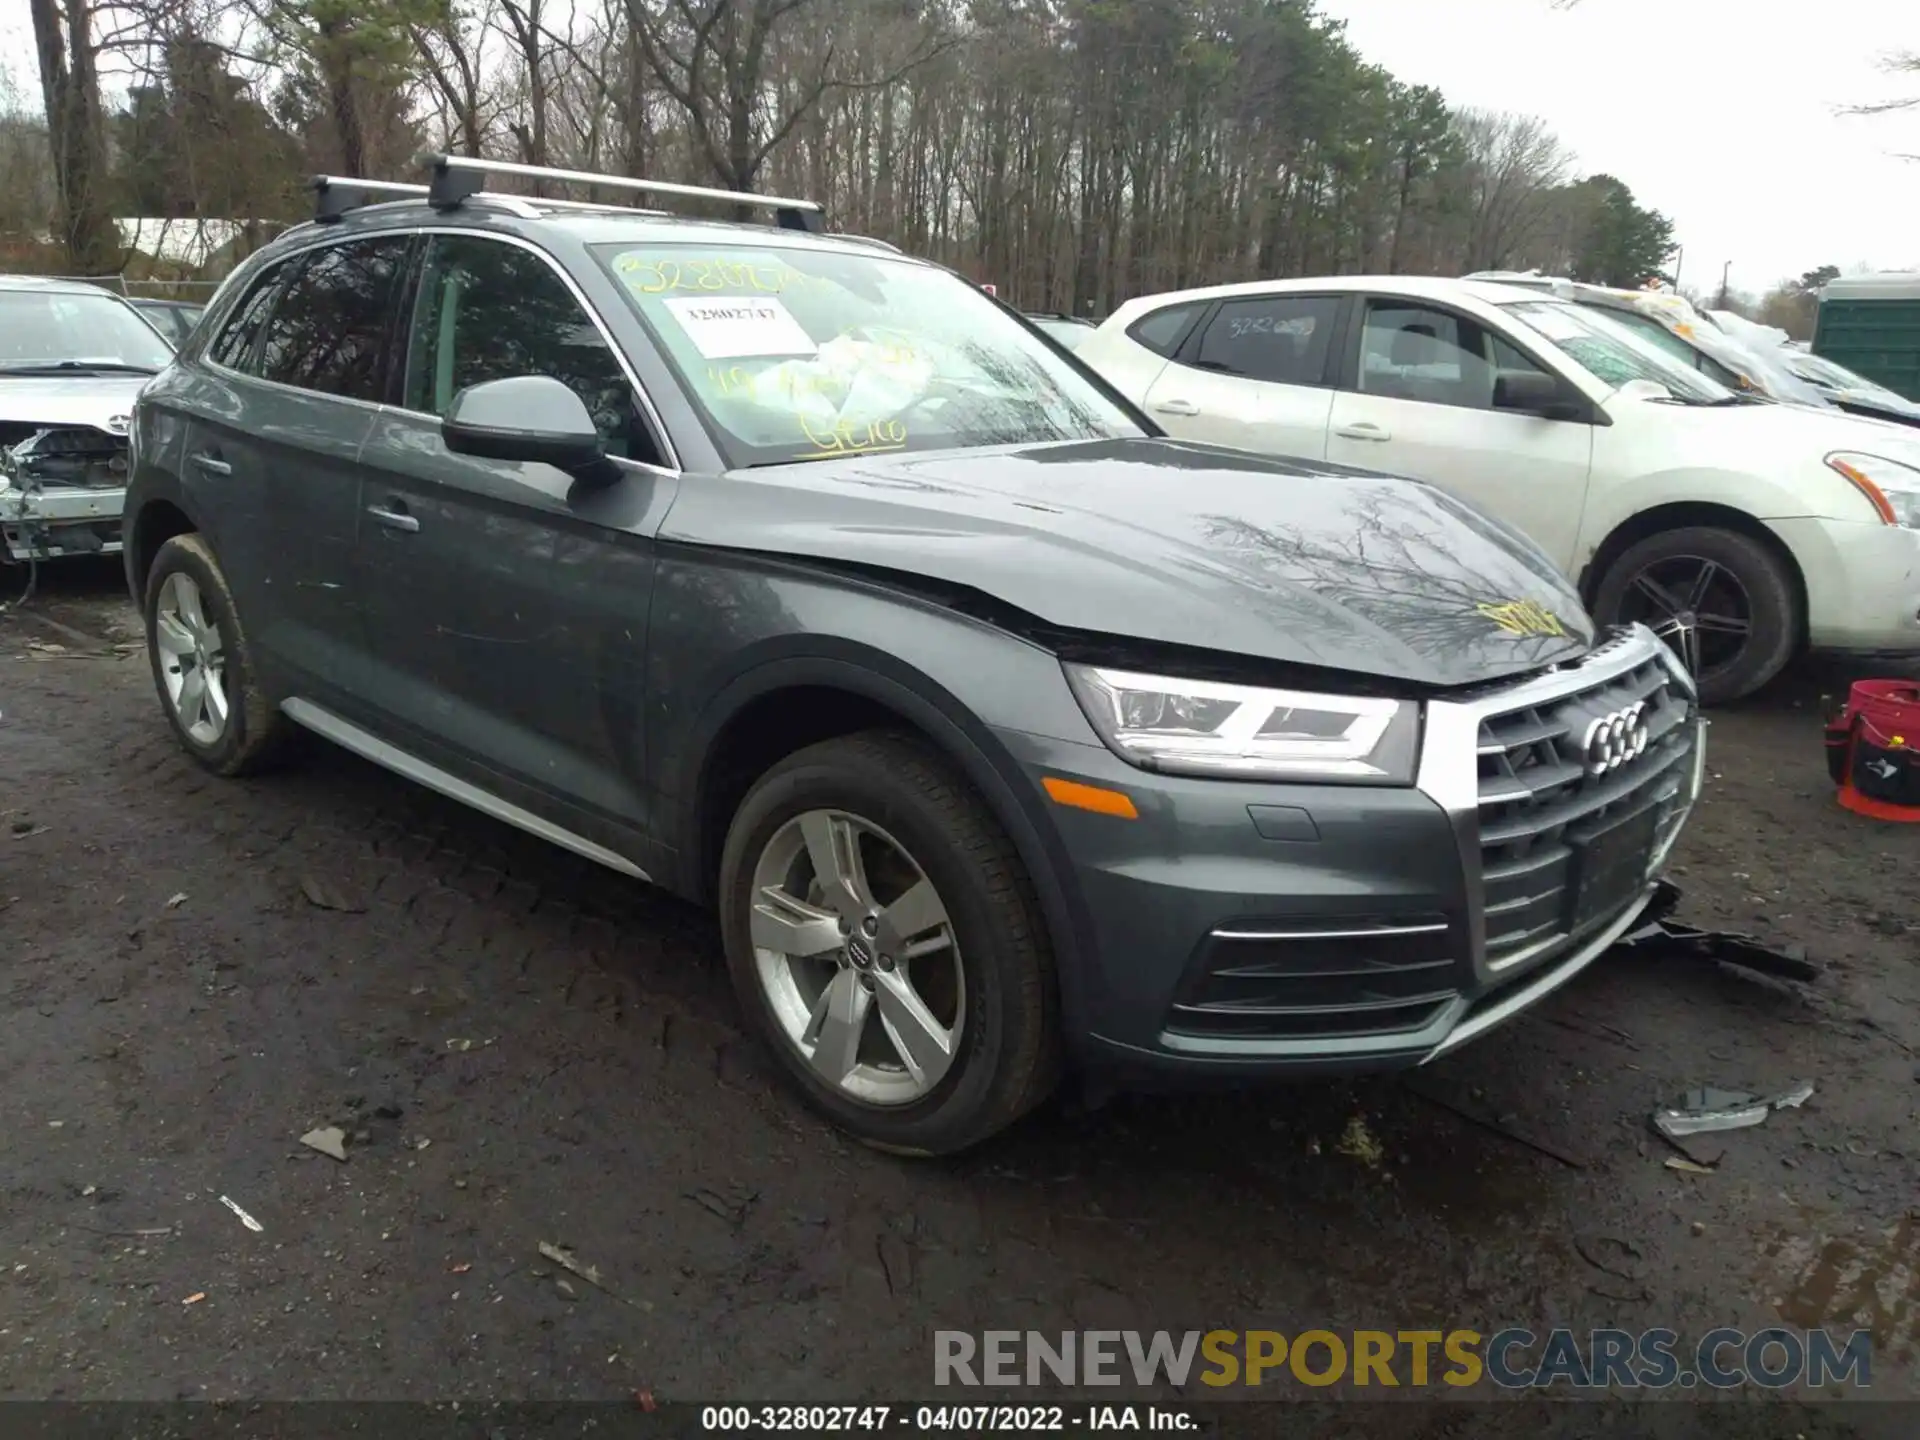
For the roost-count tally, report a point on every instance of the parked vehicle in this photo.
(1069, 330)
(174, 319)
(1871, 325)
(1853, 393)
(72, 358)
(1742, 531)
(1671, 323)
(801, 578)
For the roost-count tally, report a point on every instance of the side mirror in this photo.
(1532, 393)
(528, 417)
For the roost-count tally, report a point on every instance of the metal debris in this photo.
(1707, 1109)
(245, 1219)
(174, 902)
(328, 1140)
(1745, 952)
(567, 1260)
(1689, 1167)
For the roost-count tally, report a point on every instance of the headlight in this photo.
(1891, 488)
(1198, 727)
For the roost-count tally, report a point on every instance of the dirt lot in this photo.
(523, 1047)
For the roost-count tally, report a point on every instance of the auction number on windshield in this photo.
(706, 277)
(844, 437)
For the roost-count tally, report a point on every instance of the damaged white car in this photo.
(72, 359)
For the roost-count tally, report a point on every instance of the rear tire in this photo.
(1724, 600)
(807, 954)
(203, 667)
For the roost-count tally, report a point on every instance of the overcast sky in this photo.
(1728, 126)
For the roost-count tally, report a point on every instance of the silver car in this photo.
(72, 359)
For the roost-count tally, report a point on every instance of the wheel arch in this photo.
(782, 705)
(1678, 515)
(156, 522)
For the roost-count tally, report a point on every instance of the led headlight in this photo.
(1199, 727)
(1891, 488)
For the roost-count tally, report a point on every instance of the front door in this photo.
(1417, 400)
(507, 603)
(1255, 377)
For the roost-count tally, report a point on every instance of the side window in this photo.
(234, 346)
(329, 330)
(1161, 331)
(491, 311)
(1280, 338)
(1412, 352)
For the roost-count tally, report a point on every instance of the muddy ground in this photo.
(525, 1048)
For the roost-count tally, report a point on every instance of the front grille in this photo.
(1539, 803)
(1320, 980)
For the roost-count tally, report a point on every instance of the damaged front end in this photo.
(62, 489)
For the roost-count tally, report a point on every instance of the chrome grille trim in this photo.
(1497, 763)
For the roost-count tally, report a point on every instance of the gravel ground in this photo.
(522, 1048)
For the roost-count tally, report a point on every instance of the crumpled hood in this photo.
(1161, 540)
(68, 399)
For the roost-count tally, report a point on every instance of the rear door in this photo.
(1255, 375)
(296, 381)
(507, 603)
(1417, 399)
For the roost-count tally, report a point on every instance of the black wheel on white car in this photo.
(884, 939)
(202, 666)
(1725, 602)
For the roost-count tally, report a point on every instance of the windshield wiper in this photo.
(68, 367)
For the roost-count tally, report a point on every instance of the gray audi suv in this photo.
(803, 579)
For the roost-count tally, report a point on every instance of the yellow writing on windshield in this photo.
(707, 276)
(1523, 617)
(845, 437)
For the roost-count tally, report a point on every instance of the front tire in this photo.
(202, 665)
(1724, 600)
(884, 940)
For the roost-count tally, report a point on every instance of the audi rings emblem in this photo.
(1613, 740)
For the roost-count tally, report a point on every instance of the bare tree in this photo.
(68, 52)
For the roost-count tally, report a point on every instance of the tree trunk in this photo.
(70, 88)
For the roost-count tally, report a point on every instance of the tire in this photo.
(254, 734)
(1745, 574)
(1005, 1052)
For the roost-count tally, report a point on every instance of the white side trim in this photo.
(347, 735)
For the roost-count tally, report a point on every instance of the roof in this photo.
(1888, 285)
(526, 215)
(1418, 287)
(48, 284)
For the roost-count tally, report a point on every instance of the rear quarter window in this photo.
(1162, 330)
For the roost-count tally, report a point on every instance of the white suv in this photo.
(1743, 531)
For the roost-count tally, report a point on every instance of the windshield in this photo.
(1613, 354)
(75, 331)
(1822, 371)
(801, 354)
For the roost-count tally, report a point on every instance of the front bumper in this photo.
(47, 523)
(1863, 584)
(1238, 929)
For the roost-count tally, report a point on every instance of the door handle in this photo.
(1363, 431)
(212, 464)
(1177, 407)
(396, 519)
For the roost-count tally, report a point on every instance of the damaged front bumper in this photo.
(62, 492)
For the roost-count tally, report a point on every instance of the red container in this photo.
(1873, 750)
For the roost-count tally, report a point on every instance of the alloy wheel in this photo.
(192, 659)
(1698, 606)
(857, 958)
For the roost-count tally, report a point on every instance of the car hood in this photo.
(69, 399)
(1884, 402)
(1176, 543)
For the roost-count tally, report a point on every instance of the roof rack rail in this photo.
(457, 178)
(335, 195)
